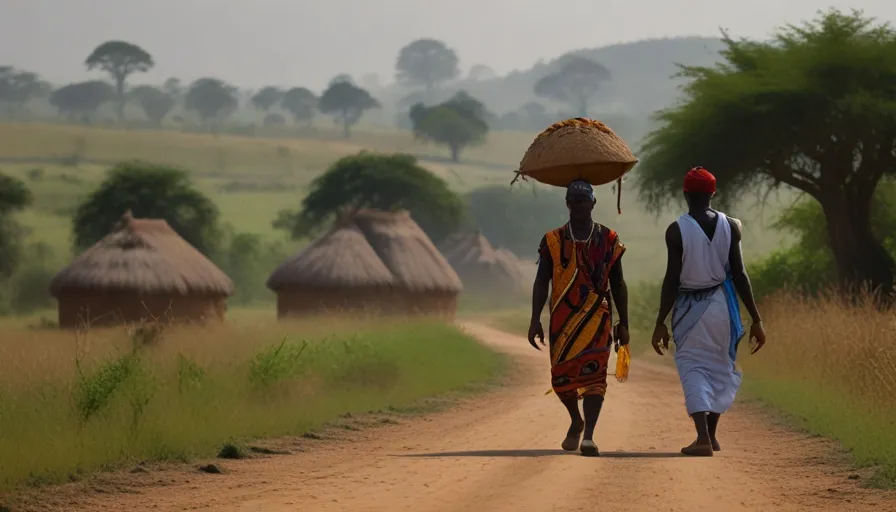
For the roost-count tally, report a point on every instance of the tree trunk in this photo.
(455, 153)
(345, 131)
(119, 86)
(861, 259)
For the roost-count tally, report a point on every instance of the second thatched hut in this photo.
(485, 271)
(370, 261)
(141, 271)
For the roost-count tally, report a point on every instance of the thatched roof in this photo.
(370, 248)
(342, 258)
(143, 256)
(474, 258)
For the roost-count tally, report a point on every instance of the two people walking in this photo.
(580, 270)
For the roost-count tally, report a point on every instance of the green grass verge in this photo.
(868, 434)
(158, 404)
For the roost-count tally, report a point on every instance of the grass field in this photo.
(71, 404)
(253, 178)
(832, 369)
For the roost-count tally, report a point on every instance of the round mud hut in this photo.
(485, 271)
(369, 262)
(141, 271)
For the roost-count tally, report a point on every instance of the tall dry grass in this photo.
(74, 403)
(832, 367)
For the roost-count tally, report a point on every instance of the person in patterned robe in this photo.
(580, 269)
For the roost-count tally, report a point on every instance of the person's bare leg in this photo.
(712, 421)
(576, 424)
(591, 405)
(702, 447)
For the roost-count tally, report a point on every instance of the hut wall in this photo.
(370, 301)
(110, 308)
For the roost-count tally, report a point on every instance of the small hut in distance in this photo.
(372, 262)
(485, 271)
(142, 270)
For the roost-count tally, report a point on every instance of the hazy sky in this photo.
(306, 42)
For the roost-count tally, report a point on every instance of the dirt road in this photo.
(501, 453)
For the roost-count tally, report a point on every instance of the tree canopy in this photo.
(456, 123)
(149, 191)
(14, 197)
(301, 103)
(347, 103)
(813, 109)
(575, 83)
(385, 182)
(18, 87)
(120, 59)
(211, 98)
(82, 98)
(427, 63)
(266, 98)
(155, 102)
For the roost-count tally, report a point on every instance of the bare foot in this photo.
(716, 447)
(571, 443)
(698, 449)
(589, 449)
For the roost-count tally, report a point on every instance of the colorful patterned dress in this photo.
(581, 327)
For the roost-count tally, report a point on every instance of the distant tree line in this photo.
(423, 67)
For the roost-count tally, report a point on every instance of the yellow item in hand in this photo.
(623, 361)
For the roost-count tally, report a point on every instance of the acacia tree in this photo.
(427, 63)
(150, 191)
(577, 80)
(120, 60)
(813, 109)
(385, 182)
(347, 103)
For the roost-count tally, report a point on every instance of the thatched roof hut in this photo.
(141, 270)
(484, 269)
(372, 261)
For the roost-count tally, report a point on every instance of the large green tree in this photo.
(813, 109)
(385, 182)
(456, 123)
(120, 59)
(14, 197)
(346, 102)
(149, 191)
(427, 63)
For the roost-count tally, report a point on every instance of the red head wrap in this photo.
(700, 181)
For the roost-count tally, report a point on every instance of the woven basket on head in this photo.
(577, 149)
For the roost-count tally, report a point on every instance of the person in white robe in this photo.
(704, 275)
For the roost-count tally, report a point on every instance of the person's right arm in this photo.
(672, 279)
(541, 286)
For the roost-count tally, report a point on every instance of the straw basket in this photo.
(577, 149)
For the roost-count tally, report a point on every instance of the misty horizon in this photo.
(299, 45)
